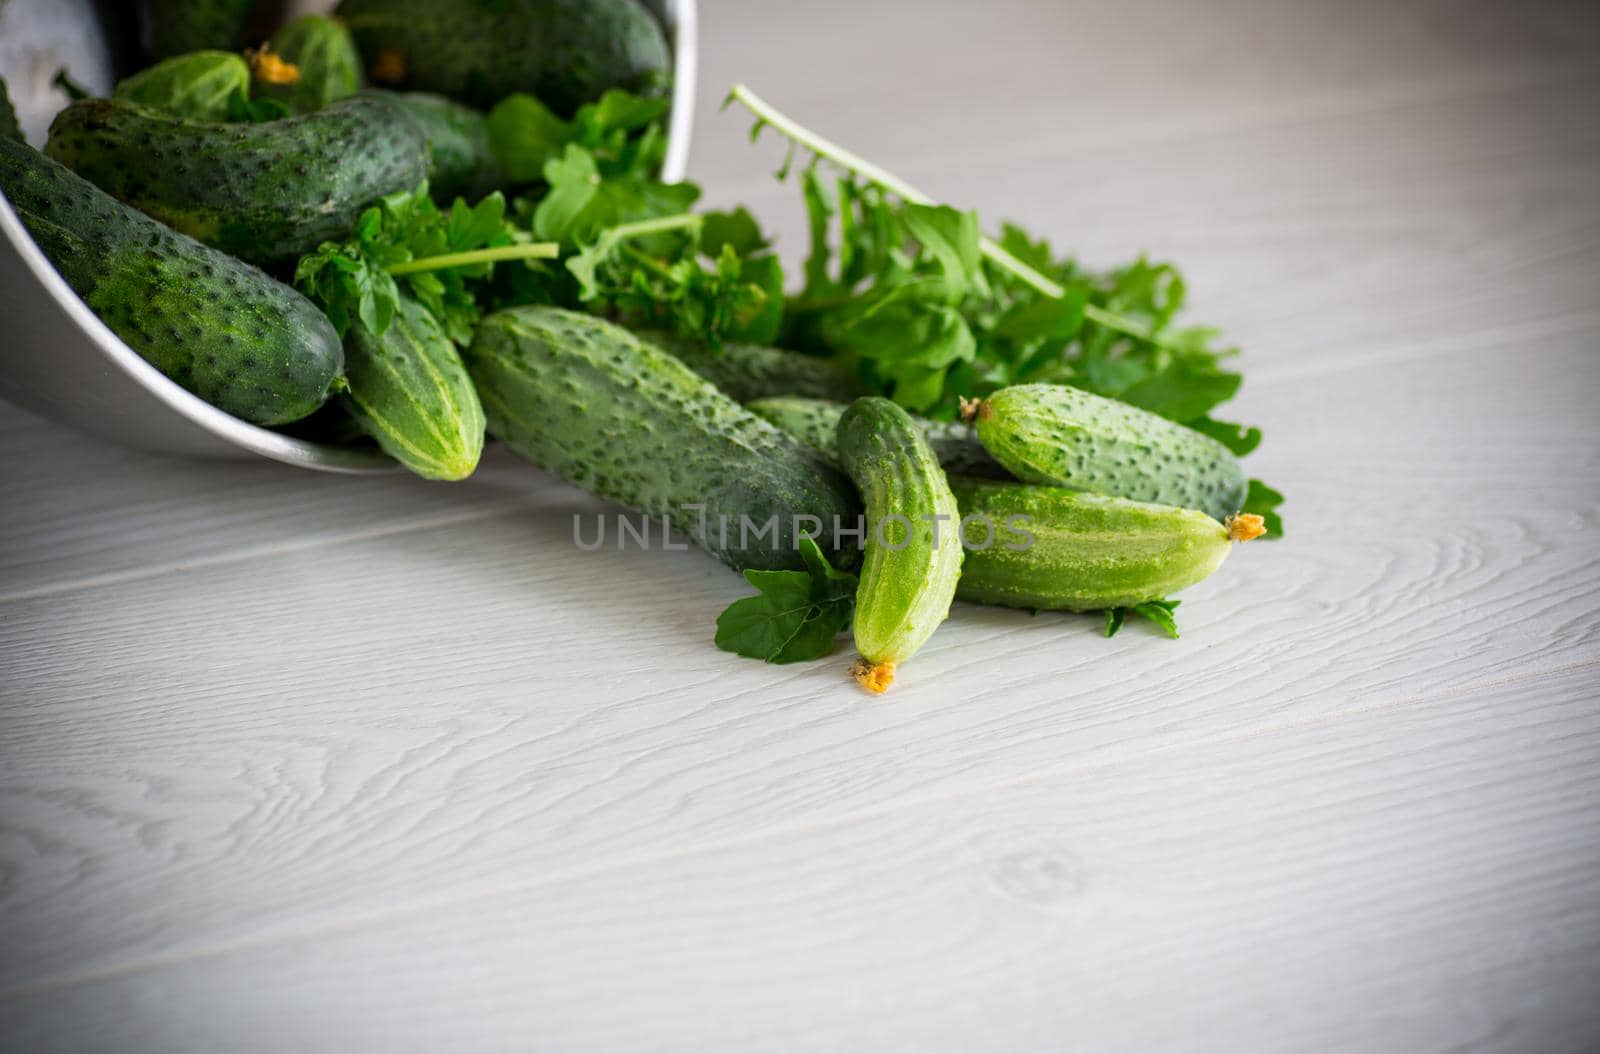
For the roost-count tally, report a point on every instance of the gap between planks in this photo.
(413, 908)
(1562, 325)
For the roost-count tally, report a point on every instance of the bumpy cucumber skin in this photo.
(747, 372)
(815, 422)
(410, 392)
(904, 594)
(1060, 436)
(565, 52)
(265, 193)
(176, 27)
(602, 409)
(199, 85)
(240, 340)
(1088, 551)
(326, 56)
(460, 162)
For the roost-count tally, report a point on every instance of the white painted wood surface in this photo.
(291, 762)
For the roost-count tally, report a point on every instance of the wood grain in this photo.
(1319, 886)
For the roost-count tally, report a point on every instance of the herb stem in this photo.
(766, 114)
(445, 261)
(640, 228)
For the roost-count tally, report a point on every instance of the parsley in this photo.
(437, 254)
(1159, 612)
(795, 616)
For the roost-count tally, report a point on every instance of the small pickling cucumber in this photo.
(1057, 435)
(565, 52)
(176, 27)
(202, 85)
(602, 409)
(747, 372)
(815, 422)
(235, 337)
(913, 549)
(409, 391)
(262, 192)
(327, 66)
(1057, 549)
(460, 162)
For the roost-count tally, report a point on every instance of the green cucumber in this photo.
(1057, 549)
(328, 65)
(747, 372)
(410, 392)
(565, 52)
(238, 339)
(176, 27)
(459, 159)
(202, 85)
(1061, 436)
(591, 402)
(913, 548)
(815, 422)
(265, 193)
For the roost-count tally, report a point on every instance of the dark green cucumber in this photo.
(1061, 436)
(460, 162)
(262, 192)
(1053, 548)
(328, 65)
(913, 547)
(565, 52)
(747, 372)
(815, 422)
(175, 27)
(410, 392)
(597, 406)
(202, 85)
(222, 329)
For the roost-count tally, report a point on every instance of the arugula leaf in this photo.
(795, 616)
(621, 132)
(1237, 438)
(1159, 612)
(1264, 501)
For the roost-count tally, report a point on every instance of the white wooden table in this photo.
(302, 763)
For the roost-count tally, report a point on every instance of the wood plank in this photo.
(1415, 878)
(199, 756)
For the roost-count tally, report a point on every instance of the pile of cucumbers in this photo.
(178, 207)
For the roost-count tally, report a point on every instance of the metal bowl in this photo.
(59, 360)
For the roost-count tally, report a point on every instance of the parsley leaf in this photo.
(795, 616)
(1159, 612)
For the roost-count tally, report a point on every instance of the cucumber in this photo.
(565, 52)
(600, 408)
(1057, 435)
(175, 27)
(815, 422)
(410, 392)
(747, 372)
(243, 342)
(1052, 548)
(265, 193)
(325, 56)
(202, 85)
(459, 160)
(913, 549)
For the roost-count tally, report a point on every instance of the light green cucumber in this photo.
(409, 391)
(747, 372)
(1057, 435)
(1056, 549)
(202, 85)
(591, 402)
(815, 422)
(328, 65)
(913, 550)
